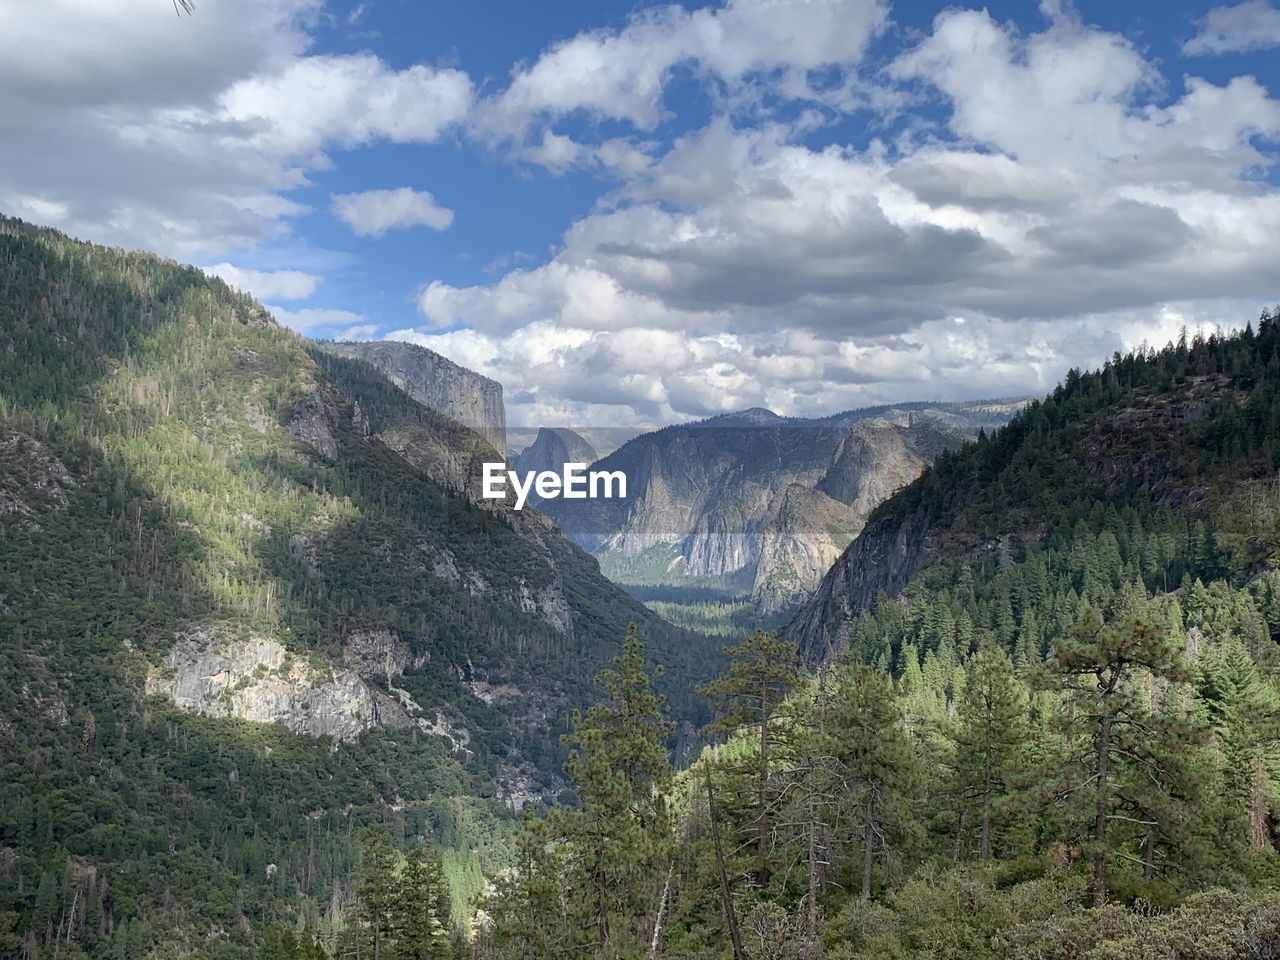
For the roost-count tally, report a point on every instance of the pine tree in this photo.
(762, 670)
(421, 909)
(527, 914)
(991, 735)
(866, 750)
(620, 840)
(377, 889)
(1099, 668)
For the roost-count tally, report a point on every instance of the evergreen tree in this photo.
(1101, 668)
(420, 911)
(527, 915)
(620, 839)
(991, 735)
(865, 747)
(377, 886)
(762, 670)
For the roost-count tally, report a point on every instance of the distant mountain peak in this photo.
(752, 416)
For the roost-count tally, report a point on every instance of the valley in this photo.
(265, 626)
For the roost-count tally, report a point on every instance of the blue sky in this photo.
(633, 214)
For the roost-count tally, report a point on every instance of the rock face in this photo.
(220, 671)
(875, 459)
(884, 557)
(225, 673)
(552, 449)
(438, 383)
(757, 501)
(799, 545)
(880, 456)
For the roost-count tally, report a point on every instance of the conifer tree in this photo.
(620, 839)
(420, 910)
(991, 734)
(1099, 668)
(527, 916)
(377, 888)
(865, 747)
(762, 670)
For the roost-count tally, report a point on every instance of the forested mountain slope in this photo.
(1041, 719)
(206, 521)
(1147, 447)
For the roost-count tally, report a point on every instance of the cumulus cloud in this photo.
(373, 212)
(1066, 207)
(196, 127)
(269, 284)
(553, 374)
(1040, 199)
(1246, 26)
(623, 74)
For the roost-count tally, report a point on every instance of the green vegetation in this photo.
(1061, 739)
(172, 461)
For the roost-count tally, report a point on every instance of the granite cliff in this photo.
(552, 448)
(756, 504)
(437, 383)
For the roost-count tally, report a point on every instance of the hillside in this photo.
(1160, 440)
(207, 522)
(437, 383)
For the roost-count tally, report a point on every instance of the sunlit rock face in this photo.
(225, 673)
(438, 383)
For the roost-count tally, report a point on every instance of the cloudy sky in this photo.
(632, 214)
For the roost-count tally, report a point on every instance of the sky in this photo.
(634, 214)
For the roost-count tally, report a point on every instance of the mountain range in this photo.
(252, 602)
(757, 504)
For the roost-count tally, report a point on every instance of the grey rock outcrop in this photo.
(313, 421)
(227, 673)
(799, 546)
(436, 382)
(552, 449)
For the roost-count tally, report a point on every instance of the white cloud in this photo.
(1246, 26)
(361, 331)
(553, 374)
(196, 126)
(1068, 206)
(309, 320)
(622, 74)
(374, 212)
(345, 100)
(267, 285)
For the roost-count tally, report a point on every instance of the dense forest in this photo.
(1063, 747)
(175, 466)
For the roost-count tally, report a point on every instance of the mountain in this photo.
(603, 440)
(552, 448)
(437, 383)
(250, 602)
(1167, 437)
(1052, 728)
(756, 504)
